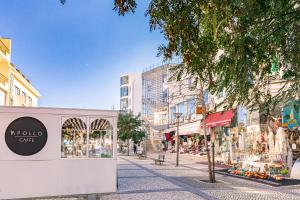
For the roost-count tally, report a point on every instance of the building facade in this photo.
(15, 88)
(155, 103)
(131, 93)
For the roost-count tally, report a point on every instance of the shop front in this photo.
(220, 128)
(270, 146)
(50, 152)
(191, 138)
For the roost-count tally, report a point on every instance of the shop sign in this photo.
(199, 110)
(26, 136)
(291, 115)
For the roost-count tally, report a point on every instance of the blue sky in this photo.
(75, 53)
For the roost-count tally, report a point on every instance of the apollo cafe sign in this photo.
(26, 136)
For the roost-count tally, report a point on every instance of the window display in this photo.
(75, 139)
(100, 139)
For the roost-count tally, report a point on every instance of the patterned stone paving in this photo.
(142, 180)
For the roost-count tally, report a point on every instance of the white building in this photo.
(131, 93)
(155, 103)
(15, 88)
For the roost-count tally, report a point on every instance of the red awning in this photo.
(219, 118)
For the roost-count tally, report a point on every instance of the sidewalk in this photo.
(143, 180)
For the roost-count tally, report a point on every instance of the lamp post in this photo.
(177, 138)
(146, 137)
(213, 139)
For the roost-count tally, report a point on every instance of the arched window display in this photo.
(74, 143)
(101, 139)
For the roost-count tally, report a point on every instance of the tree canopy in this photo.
(231, 45)
(130, 127)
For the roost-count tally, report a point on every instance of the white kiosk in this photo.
(54, 151)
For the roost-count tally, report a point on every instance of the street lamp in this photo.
(213, 139)
(177, 138)
(146, 137)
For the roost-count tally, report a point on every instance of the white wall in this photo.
(23, 89)
(46, 173)
(134, 92)
(2, 98)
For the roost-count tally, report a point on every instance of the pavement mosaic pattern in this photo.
(143, 180)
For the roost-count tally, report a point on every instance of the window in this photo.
(172, 113)
(124, 91)
(165, 96)
(17, 91)
(29, 100)
(206, 97)
(181, 109)
(24, 98)
(221, 94)
(190, 83)
(191, 104)
(164, 81)
(73, 139)
(101, 139)
(123, 104)
(124, 80)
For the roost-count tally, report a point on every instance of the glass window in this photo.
(221, 94)
(24, 98)
(124, 80)
(73, 138)
(181, 109)
(206, 97)
(29, 100)
(17, 91)
(124, 104)
(101, 139)
(191, 106)
(172, 112)
(124, 91)
(165, 96)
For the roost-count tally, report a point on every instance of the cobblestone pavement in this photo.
(142, 180)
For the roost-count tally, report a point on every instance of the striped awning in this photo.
(100, 124)
(78, 124)
(75, 123)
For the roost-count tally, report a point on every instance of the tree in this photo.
(130, 128)
(231, 45)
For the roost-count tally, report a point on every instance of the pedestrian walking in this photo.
(134, 149)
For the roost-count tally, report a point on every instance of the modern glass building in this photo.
(131, 93)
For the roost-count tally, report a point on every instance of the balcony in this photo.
(20, 100)
(3, 48)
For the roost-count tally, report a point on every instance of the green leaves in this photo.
(130, 127)
(124, 6)
(249, 33)
(230, 44)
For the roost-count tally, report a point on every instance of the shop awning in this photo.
(219, 118)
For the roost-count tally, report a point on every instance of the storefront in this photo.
(50, 152)
(219, 125)
(270, 146)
